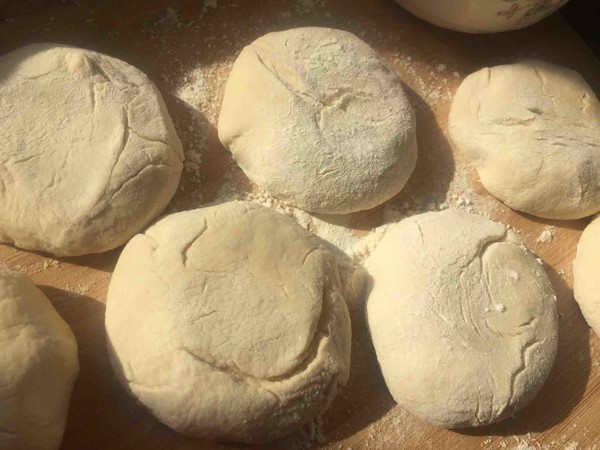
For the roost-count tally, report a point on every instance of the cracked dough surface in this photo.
(586, 274)
(229, 323)
(88, 153)
(464, 323)
(315, 117)
(38, 367)
(532, 131)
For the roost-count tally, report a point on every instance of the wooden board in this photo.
(169, 40)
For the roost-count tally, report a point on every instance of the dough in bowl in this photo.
(38, 367)
(462, 317)
(88, 153)
(228, 323)
(532, 131)
(586, 274)
(314, 116)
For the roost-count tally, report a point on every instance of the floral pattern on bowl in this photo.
(529, 8)
(482, 16)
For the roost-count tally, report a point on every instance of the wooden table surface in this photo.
(171, 41)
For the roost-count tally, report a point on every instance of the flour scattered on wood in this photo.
(213, 4)
(547, 235)
(50, 262)
(427, 81)
(78, 290)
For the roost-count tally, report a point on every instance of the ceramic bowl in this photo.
(482, 16)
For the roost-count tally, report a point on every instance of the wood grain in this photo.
(102, 416)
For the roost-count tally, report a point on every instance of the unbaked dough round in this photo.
(586, 274)
(315, 117)
(89, 155)
(229, 323)
(532, 131)
(463, 319)
(38, 367)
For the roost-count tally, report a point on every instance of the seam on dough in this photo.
(127, 181)
(525, 350)
(186, 247)
(285, 83)
(543, 85)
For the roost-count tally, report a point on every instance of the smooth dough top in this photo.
(229, 323)
(88, 153)
(586, 274)
(38, 366)
(532, 131)
(463, 319)
(314, 116)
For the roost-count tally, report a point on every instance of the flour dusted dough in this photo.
(38, 366)
(463, 319)
(88, 153)
(314, 116)
(586, 274)
(228, 323)
(532, 131)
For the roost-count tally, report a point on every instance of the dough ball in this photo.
(532, 131)
(89, 155)
(315, 117)
(463, 319)
(586, 274)
(38, 367)
(228, 323)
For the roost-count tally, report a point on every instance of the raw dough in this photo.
(38, 367)
(532, 131)
(89, 155)
(586, 274)
(314, 116)
(228, 323)
(463, 319)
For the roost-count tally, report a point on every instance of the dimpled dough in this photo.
(88, 153)
(532, 131)
(315, 117)
(586, 274)
(228, 323)
(464, 323)
(38, 367)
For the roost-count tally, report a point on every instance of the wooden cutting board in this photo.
(173, 42)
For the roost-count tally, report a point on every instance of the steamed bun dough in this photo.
(38, 367)
(462, 318)
(532, 131)
(228, 323)
(586, 274)
(88, 153)
(315, 117)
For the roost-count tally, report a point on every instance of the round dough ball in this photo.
(462, 318)
(532, 131)
(38, 367)
(229, 323)
(315, 117)
(586, 271)
(89, 155)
